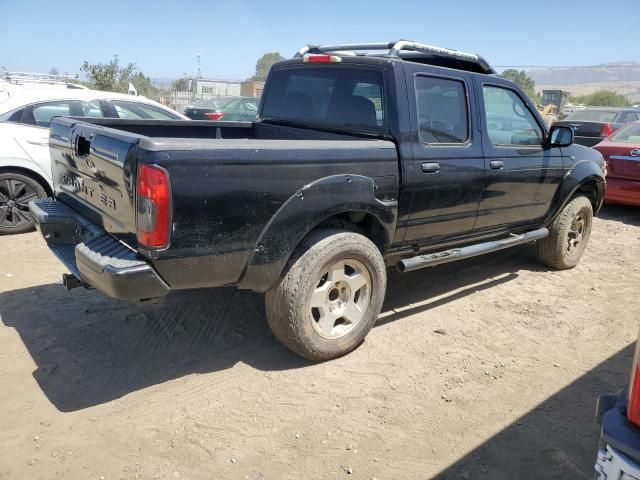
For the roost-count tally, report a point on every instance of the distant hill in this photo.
(609, 72)
(622, 77)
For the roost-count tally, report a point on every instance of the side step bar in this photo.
(433, 259)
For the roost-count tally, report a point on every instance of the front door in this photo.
(522, 173)
(448, 169)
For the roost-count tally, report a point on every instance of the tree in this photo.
(527, 83)
(53, 71)
(264, 63)
(602, 98)
(181, 84)
(114, 78)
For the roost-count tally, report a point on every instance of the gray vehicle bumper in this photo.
(93, 256)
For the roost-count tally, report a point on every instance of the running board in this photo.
(433, 259)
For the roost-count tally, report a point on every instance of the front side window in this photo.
(509, 122)
(333, 96)
(137, 110)
(442, 110)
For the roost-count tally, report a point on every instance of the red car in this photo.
(621, 151)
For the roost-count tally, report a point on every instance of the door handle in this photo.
(431, 167)
(496, 164)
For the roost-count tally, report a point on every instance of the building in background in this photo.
(206, 88)
(194, 89)
(251, 88)
(559, 98)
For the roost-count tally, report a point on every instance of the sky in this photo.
(164, 37)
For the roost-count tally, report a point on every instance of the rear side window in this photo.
(41, 114)
(509, 121)
(442, 110)
(137, 110)
(340, 97)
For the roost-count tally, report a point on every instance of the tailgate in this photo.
(94, 172)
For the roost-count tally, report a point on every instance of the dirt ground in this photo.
(484, 369)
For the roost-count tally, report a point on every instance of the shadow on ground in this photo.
(90, 349)
(556, 440)
(621, 213)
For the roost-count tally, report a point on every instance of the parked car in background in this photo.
(26, 111)
(619, 449)
(592, 124)
(621, 151)
(229, 109)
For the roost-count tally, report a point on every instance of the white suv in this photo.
(25, 114)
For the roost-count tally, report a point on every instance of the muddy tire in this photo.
(568, 235)
(16, 191)
(329, 296)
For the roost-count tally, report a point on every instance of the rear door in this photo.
(522, 175)
(448, 169)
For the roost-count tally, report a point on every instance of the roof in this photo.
(16, 96)
(406, 50)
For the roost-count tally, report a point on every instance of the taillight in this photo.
(633, 408)
(154, 214)
(607, 129)
(315, 58)
(214, 115)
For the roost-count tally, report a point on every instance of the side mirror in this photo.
(560, 136)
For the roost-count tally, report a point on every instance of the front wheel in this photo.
(330, 296)
(16, 191)
(568, 235)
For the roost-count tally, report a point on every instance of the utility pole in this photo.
(198, 66)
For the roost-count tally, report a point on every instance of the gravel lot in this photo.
(488, 368)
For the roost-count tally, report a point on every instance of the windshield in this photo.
(604, 116)
(333, 96)
(212, 102)
(628, 134)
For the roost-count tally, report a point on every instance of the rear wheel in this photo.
(568, 235)
(16, 191)
(329, 297)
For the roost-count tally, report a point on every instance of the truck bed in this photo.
(228, 182)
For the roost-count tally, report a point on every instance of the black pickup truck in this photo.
(362, 157)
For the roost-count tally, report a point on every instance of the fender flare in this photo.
(582, 172)
(305, 210)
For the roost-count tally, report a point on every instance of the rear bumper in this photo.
(626, 192)
(94, 256)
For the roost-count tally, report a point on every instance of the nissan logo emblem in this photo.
(635, 152)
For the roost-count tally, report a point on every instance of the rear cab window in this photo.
(340, 97)
(629, 134)
(602, 116)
